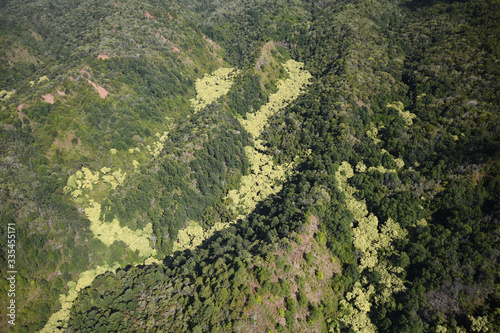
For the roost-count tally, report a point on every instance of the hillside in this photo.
(267, 166)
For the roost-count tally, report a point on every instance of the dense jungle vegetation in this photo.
(119, 137)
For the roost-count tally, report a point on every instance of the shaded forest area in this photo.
(404, 92)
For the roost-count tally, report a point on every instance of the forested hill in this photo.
(267, 166)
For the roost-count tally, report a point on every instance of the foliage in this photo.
(393, 189)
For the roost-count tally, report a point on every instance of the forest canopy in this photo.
(268, 166)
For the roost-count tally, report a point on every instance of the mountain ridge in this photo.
(390, 208)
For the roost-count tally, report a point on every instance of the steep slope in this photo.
(127, 134)
(69, 122)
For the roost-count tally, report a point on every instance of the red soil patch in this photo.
(102, 92)
(102, 57)
(211, 42)
(175, 50)
(161, 36)
(84, 71)
(215, 47)
(148, 15)
(20, 115)
(170, 17)
(49, 98)
(61, 92)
